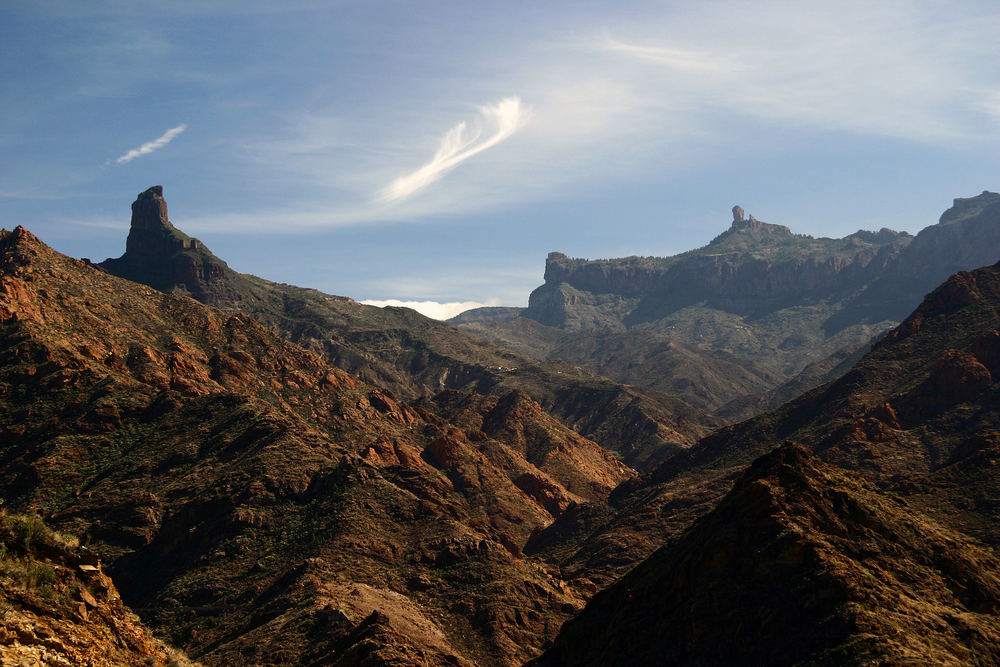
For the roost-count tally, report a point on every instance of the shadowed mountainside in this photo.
(801, 563)
(916, 416)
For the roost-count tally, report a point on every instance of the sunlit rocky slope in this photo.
(256, 504)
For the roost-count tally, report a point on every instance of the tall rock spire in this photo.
(162, 256)
(151, 233)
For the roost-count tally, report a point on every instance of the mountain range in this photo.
(758, 307)
(269, 475)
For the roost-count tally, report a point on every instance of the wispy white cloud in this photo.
(990, 103)
(892, 70)
(150, 146)
(97, 222)
(494, 124)
(678, 58)
(433, 309)
(649, 98)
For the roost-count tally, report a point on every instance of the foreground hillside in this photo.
(746, 313)
(58, 608)
(801, 563)
(261, 506)
(402, 351)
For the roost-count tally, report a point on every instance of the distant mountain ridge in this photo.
(772, 300)
(751, 268)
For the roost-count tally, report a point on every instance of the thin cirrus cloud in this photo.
(677, 58)
(150, 146)
(494, 124)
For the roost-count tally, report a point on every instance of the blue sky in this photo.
(436, 151)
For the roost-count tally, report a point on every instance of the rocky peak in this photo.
(151, 233)
(149, 210)
(742, 221)
(162, 256)
(556, 264)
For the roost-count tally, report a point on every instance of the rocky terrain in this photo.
(801, 563)
(746, 313)
(258, 505)
(404, 352)
(57, 606)
(257, 501)
(916, 417)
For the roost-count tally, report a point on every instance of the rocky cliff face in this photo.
(752, 267)
(755, 268)
(964, 238)
(58, 607)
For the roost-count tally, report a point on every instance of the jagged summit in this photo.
(741, 221)
(149, 210)
(151, 232)
(746, 222)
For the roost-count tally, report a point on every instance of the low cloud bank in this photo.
(432, 309)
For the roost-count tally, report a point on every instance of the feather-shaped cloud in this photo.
(494, 124)
(151, 146)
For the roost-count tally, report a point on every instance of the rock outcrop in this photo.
(58, 607)
(170, 260)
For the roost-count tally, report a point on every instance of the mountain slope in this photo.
(918, 415)
(258, 504)
(799, 563)
(58, 608)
